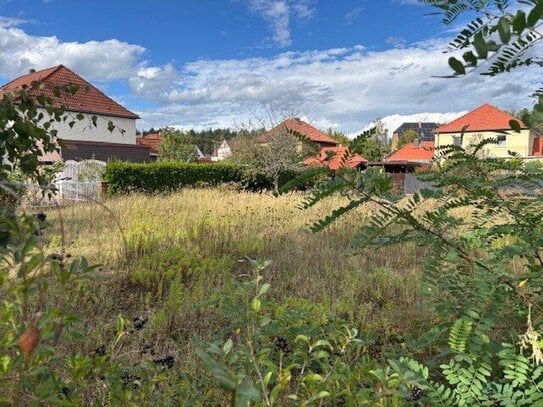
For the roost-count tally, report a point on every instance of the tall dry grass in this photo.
(178, 254)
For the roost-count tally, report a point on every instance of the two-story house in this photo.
(105, 130)
(488, 122)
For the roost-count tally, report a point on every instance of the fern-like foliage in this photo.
(480, 224)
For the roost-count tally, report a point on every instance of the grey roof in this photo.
(425, 129)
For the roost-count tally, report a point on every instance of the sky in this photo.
(201, 64)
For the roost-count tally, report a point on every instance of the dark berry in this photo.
(416, 392)
(57, 257)
(41, 216)
(340, 402)
(282, 344)
(166, 361)
(139, 322)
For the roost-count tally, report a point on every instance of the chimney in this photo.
(297, 119)
(31, 70)
(416, 142)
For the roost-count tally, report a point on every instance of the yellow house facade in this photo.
(489, 122)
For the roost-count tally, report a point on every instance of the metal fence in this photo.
(79, 191)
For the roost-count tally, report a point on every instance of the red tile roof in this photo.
(484, 118)
(335, 157)
(151, 140)
(88, 99)
(303, 128)
(410, 152)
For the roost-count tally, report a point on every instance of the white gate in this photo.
(81, 181)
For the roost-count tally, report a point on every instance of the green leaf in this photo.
(312, 377)
(246, 393)
(535, 14)
(256, 304)
(519, 22)
(264, 289)
(457, 66)
(219, 371)
(322, 394)
(227, 346)
(470, 58)
(504, 30)
(480, 46)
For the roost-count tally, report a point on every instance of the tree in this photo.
(407, 137)
(499, 34)
(339, 136)
(372, 144)
(271, 157)
(176, 145)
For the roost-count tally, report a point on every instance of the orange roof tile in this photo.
(335, 157)
(410, 152)
(303, 128)
(88, 99)
(151, 140)
(484, 118)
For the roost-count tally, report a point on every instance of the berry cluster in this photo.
(100, 351)
(166, 361)
(282, 344)
(129, 378)
(416, 393)
(139, 322)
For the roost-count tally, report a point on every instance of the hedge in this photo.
(125, 177)
(166, 176)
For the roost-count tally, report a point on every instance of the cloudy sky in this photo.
(230, 63)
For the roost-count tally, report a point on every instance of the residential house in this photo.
(487, 122)
(330, 153)
(425, 132)
(336, 157)
(408, 159)
(92, 136)
(150, 140)
(314, 135)
(222, 153)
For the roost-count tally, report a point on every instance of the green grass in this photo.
(182, 254)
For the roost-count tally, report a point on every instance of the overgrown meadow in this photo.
(170, 264)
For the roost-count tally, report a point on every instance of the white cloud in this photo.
(354, 14)
(96, 60)
(344, 88)
(393, 121)
(278, 14)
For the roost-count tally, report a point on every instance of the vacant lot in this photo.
(172, 261)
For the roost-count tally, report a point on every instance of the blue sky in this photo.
(214, 63)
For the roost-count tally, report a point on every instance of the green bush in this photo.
(169, 176)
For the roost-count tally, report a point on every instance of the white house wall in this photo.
(84, 130)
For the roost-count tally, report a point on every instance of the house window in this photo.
(502, 139)
(457, 140)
